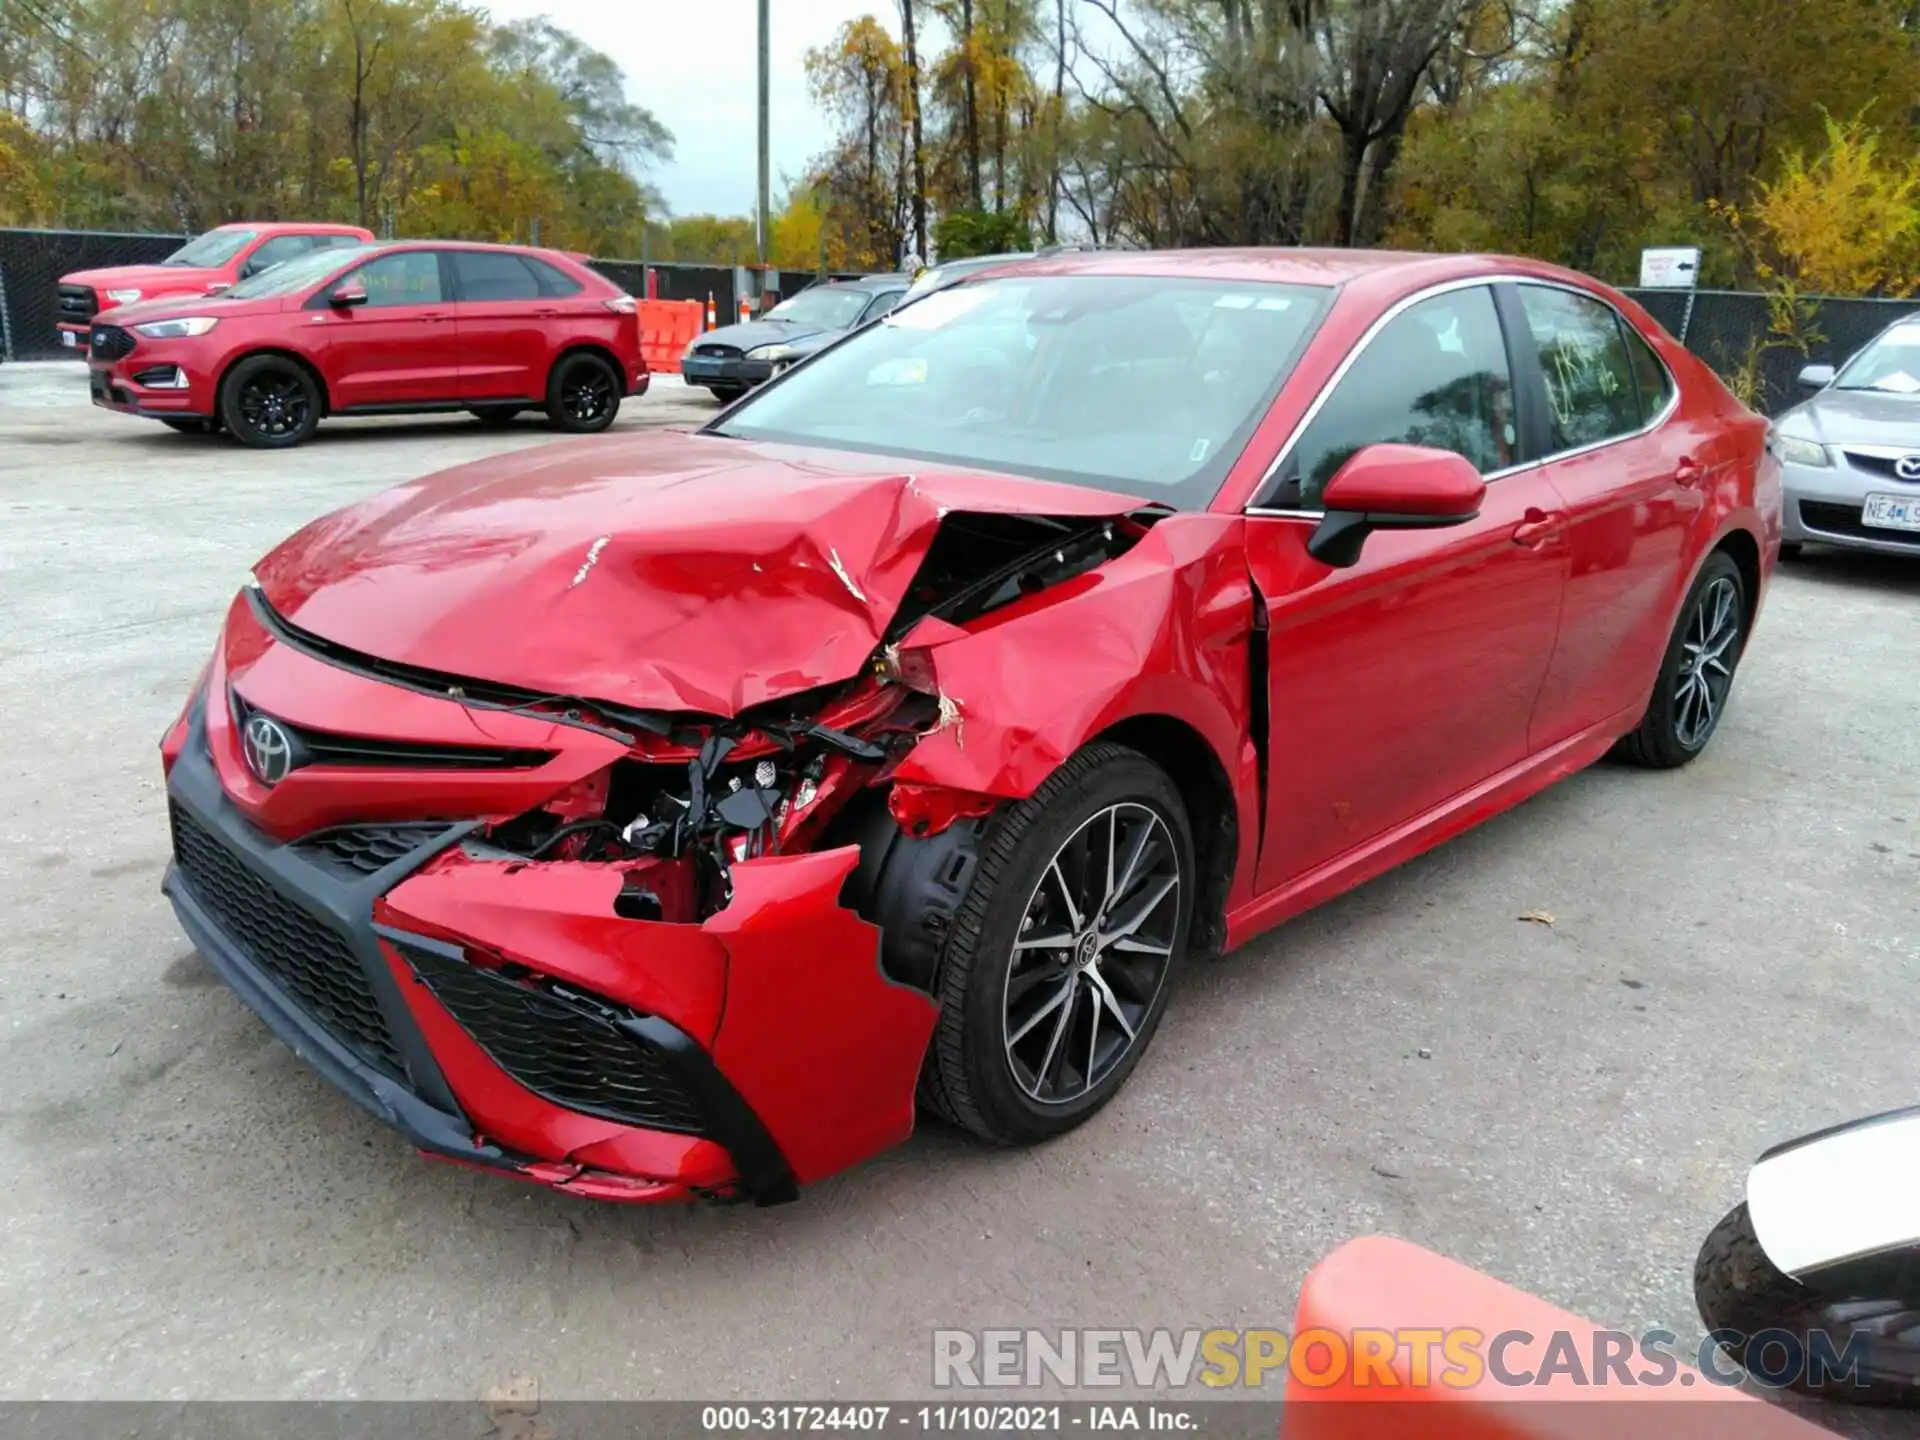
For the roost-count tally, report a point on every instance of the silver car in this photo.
(1850, 456)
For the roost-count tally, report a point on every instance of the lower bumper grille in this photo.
(312, 963)
(564, 1049)
(1845, 520)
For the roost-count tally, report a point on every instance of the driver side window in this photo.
(1436, 375)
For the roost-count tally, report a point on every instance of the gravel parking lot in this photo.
(1732, 959)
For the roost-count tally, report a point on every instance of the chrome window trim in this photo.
(1400, 307)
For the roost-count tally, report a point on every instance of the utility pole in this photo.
(766, 198)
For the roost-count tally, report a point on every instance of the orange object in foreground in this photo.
(1393, 1340)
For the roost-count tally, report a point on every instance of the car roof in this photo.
(304, 227)
(385, 246)
(860, 282)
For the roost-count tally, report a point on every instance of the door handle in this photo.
(1535, 530)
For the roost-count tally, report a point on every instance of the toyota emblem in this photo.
(269, 750)
(1907, 467)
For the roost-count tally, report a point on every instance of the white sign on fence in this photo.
(1675, 267)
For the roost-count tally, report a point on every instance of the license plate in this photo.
(1891, 512)
(699, 367)
(69, 339)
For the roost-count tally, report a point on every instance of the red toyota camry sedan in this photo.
(680, 816)
(377, 329)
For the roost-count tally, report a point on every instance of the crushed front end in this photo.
(630, 954)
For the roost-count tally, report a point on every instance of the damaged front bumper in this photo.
(501, 1014)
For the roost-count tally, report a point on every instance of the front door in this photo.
(1398, 684)
(397, 349)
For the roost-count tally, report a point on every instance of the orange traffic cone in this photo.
(746, 309)
(713, 316)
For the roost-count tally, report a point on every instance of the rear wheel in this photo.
(494, 415)
(269, 402)
(1058, 966)
(583, 394)
(1696, 676)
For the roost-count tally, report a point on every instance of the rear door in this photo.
(501, 316)
(1631, 482)
(398, 349)
(1401, 683)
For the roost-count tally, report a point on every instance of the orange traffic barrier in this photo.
(667, 327)
(1391, 1340)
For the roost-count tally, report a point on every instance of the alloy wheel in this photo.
(274, 405)
(1095, 943)
(586, 393)
(1707, 656)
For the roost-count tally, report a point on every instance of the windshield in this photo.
(1891, 363)
(1145, 384)
(292, 276)
(212, 249)
(823, 308)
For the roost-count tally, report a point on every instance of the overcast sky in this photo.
(691, 62)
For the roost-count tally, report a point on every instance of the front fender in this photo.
(1839, 1197)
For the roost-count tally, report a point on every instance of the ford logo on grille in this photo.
(1907, 467)
(269, 750)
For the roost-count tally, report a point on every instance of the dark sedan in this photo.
(733, 359)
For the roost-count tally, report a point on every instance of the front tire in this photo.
(583, 395)
(269, 402)
(1059, 961)
(726, 394)
(1696, 675)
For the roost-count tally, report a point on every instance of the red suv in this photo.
(378, 329)
(208, 265)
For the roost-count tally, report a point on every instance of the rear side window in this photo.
(553, 280)
(492, 275)
(1591, 393)
(883, 302)
(1436, 375)
(1650, 376)
(276, 251)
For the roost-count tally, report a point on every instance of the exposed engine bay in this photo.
(699, 794)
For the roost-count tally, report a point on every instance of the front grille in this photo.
(719, 352)
(1845, 520)
(325, 747)
(1882, 465)
(110, 342)
(564, 1048)
(305, 957)
(365, 849)
(78, 302)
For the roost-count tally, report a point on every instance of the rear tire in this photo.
(1005, 1060)
(268, 402)
(1696, 675)
(495, 416)
(583, 394)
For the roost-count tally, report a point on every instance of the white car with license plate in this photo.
(1850, 455)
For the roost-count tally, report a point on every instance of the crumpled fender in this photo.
(1164, 629)
(783, 986)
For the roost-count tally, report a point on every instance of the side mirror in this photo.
(1393, 487)
(1816, 377)
(350, 294)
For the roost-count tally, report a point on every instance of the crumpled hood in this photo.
(671, 572)
(1856, 417)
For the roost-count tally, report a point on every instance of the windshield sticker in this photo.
(1275, 302)
(1234, 302)
(905, 371)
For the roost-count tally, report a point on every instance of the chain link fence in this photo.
(31, 264)
(1732, 331)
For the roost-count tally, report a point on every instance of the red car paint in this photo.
(1448, 674)
(446, 355)
(160, 282)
